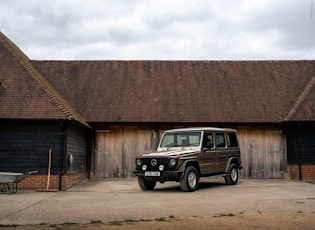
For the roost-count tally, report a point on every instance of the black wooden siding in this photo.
(301, 143)
(77, 147)
(24, 146)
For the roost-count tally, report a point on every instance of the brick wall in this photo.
(69, 180)
(308, 172)
(34, 181)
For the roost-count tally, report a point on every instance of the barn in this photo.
(36, 120)
(102, 113)
(130, 103)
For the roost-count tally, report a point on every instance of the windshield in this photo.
(181, 139)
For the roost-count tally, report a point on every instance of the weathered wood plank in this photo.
(116, 151)
(24, 146)
(262, 150)
(76, 149)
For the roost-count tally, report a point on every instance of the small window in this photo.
(220, 141)
(208, 140)
(232, 140)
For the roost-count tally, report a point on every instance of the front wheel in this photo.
(189, 182)
(146, 185)
(232, 175)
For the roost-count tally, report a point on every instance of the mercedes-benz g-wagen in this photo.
(186, 155)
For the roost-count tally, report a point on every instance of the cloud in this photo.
(168, 30)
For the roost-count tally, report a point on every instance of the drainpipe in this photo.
(298, 153)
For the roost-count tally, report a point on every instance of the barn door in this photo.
(262, 152)
(274, 159)
(116, 150)
(108, 153)
(257, 152)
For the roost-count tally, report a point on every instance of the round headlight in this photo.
(139, 162)
(172, 162)
(161, 167)
(144, 167)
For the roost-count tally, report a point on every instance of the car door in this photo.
(207, 158)
(222, 151)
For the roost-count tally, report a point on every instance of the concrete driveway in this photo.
(121, 199)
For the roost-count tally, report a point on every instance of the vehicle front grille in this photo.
(159, 161)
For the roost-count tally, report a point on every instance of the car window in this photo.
(181, 139)
(220, 140)
(208, 140)
(231, 140)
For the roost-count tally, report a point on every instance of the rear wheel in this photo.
(232, 175)
(146, 185)
(189, 182)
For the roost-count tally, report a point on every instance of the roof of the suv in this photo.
(212, 129)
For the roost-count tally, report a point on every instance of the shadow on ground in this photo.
(201, 186)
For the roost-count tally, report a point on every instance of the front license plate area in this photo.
(152, 173)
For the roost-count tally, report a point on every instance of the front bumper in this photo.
(164, 175)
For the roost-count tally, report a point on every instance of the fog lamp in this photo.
(144, 167)
(161, 167)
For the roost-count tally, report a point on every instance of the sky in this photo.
(161, 29)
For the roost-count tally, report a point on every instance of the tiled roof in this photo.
(25, 93)
(304, 108)
(155, 91)
(185, 91)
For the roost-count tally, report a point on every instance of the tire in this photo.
(146, 185)
(232, 175)
(189, 182)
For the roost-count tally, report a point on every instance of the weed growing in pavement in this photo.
(309, 181)
(8, 225)
(130, 221)
(145, 220)
(299, 202)
(96, 221)
(160, 219)
(117, 223)
(70, 223)
(224, 214)
(229, 214)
